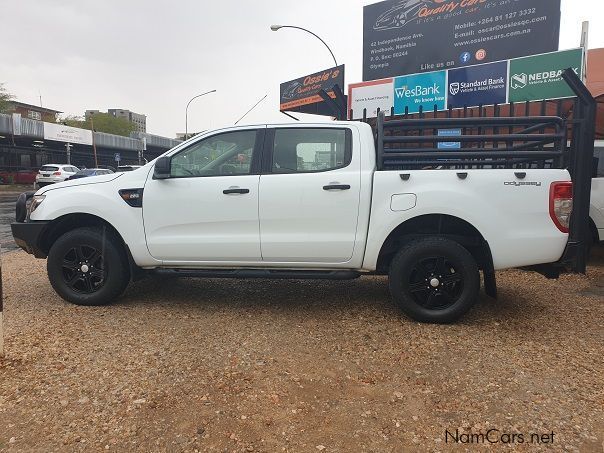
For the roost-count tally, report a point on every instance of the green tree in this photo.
(103, 122)
(5, 98)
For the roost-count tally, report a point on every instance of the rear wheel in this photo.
(88, 266)
(434, 280)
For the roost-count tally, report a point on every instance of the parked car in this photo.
(265, 201)
(123, 168)
(90, 172)
(53, 173)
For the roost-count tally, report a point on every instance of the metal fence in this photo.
(545, 134)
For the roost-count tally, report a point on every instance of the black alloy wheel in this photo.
(83, 269)
(434, 280)
(435, 284)
(88, 266)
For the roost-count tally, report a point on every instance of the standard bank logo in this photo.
(454, 88)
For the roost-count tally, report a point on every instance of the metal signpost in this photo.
(68, 147)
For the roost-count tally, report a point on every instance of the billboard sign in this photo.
(540, 77)
(532, 78)
(62, 133)
(302, 94)
(478, 85)
(372, 96)
(420, 91)
(412, 36)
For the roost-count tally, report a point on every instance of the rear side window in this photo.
(49, 168)
(300, 150)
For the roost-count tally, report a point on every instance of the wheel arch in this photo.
(70, 222)
(443, 225)
(595, 234)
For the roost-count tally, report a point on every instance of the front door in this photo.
(207, 211)
(309, 196)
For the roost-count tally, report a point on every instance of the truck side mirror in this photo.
(162, 168)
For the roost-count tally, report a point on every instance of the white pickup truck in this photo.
(300, 201)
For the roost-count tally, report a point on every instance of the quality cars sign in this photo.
(412, 36)
(302, 94)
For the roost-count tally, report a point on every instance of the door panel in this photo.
(309, 213)
(208, 210)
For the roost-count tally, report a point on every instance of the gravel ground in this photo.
(223, 365)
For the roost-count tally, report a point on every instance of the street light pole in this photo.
(96, 162)
(279, 27)
(187, 111)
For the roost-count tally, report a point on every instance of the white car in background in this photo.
(52, 173)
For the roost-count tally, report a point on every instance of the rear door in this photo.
(309, 196)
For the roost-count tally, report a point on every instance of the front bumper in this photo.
(29, 235)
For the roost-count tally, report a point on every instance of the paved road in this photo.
(7, 215)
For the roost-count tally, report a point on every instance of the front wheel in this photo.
(434, 280)
(88, 266)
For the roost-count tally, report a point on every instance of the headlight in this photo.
(35, 202)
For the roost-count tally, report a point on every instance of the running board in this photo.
(259, 273)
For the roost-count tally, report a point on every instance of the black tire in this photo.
(434, 280)
(88, 266)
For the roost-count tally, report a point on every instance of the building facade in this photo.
(34, 112)
(139, 121)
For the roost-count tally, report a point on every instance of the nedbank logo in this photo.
(522, 80)
(418, 90)
(519, 81)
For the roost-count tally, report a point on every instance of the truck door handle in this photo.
(233, 191)
(337, 187)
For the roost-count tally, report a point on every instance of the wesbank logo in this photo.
(418, 90)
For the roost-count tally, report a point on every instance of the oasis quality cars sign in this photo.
(412, 36)
(523, 79)
(302, 94)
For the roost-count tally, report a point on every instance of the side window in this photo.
(220, 155)
(310, 150)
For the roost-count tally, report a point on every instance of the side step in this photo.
(259, 273)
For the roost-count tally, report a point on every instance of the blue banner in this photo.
(420, 91)
(478, 85)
